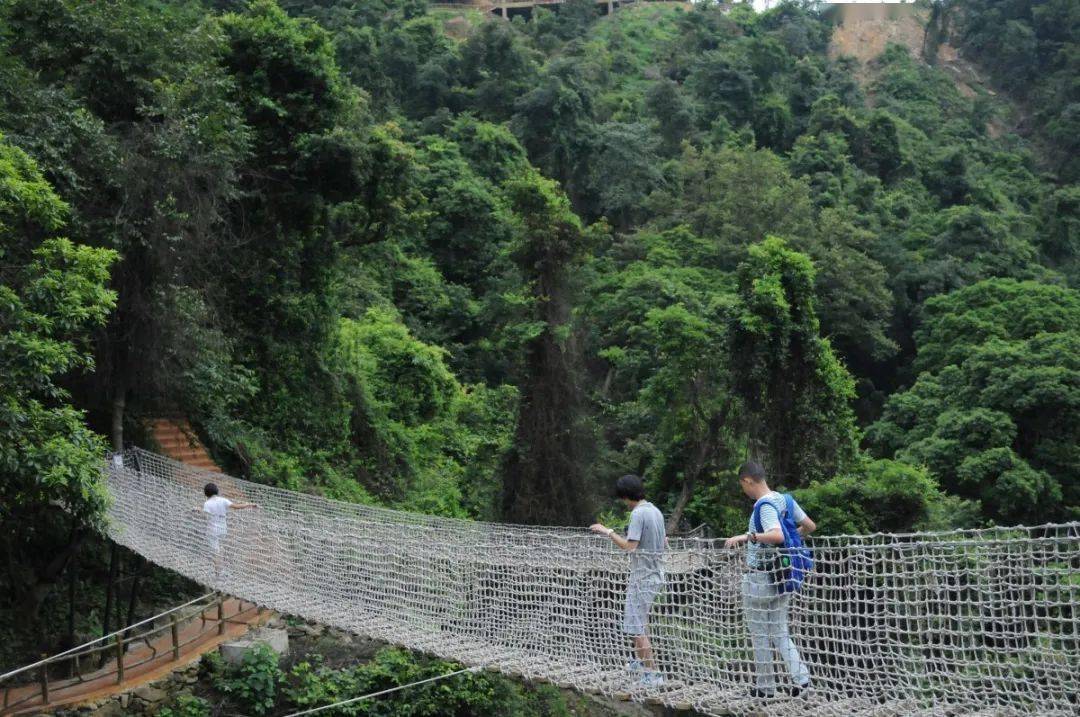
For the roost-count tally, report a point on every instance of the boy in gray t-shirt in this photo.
(645, 541)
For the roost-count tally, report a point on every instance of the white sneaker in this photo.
(635, 666)
(652, 680)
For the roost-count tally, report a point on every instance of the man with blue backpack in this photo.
(778, 562)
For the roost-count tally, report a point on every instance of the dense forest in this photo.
(461, 265)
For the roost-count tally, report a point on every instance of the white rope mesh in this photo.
(960, 623)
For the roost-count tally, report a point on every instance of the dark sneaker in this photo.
(761, 694)
(797, 690)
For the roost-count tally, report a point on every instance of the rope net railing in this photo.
(978, 622)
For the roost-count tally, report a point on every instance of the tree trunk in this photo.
(119, 399)
(42, 584)
(69, 642)
(46, 580)
(73, 569)
(706, 448)
(689, 483)
(680, 505)
(110, 588)
(133, 596)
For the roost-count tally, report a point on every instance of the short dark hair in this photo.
(752, 469)
(210, 490)
(629, 487)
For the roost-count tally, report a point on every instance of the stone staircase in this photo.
(177, 440)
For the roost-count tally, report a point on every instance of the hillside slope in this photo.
(865, 34)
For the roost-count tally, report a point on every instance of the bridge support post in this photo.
(119, 657)
(44, 684)
(175, 639)
(221, 615)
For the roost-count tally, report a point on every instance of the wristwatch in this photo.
(610, 532)
(751, 537)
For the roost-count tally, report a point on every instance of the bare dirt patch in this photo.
(867, 30)
(865, 39)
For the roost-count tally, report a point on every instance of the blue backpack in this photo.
(794, 560)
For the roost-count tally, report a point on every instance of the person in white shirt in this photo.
(217, 508)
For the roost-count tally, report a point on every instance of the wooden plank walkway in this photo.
(155, 660)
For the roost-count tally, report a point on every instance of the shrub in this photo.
(254, 682)
(186, 706)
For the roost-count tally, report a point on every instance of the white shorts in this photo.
(213, 541)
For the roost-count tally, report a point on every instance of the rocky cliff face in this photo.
(864, 31)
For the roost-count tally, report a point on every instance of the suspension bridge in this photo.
(979, 623)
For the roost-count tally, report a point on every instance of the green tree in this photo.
(149, 161)
(623, 173)
(1030, 48)
(421, 438)
(883, 496)
(995, 413)
(972, 244)
(854, 303)
(725, 86)
(825, 160)
(469, 226)
(1059, 235)
(576, 17)
(306, 147)
(659, 323)
(736, 197)
(554, 121)
(881, 153)
(698, 427)
(674, 115)
(772, 123)
(54, 295)
(796, 391)
(498, 68)
(492, 150)
(543, 475)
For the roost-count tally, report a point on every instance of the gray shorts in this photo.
(639, 598)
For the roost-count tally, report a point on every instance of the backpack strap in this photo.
(758, 527)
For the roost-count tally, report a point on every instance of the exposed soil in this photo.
(866, 36)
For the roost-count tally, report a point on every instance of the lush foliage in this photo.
(53, 294)
(995, 412)
(262, 684)
(254, 683)
(186, 706)
(883, 496)
(479, 268)
(1033, 50)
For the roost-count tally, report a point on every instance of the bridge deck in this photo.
(153, 661)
